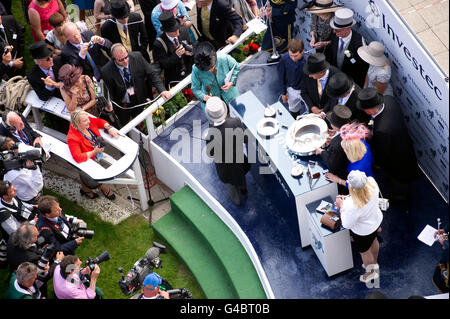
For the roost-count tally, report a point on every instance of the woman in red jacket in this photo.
(84, 142)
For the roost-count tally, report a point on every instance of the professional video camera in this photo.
(10, 159)
(91, 262)
(141, 268)
(80, 230)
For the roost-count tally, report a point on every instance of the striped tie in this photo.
(94, 67)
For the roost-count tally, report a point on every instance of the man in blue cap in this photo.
(150, 288)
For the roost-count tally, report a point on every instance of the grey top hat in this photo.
(343, 18)
(340, 115)
(216, 109)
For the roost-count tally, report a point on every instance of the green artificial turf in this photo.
(126, 243)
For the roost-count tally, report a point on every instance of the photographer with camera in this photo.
(13, 211)
(20, 166)
(173, 50)
(84, 141)
(62, 230)
(151, 288)
(25, 245)
(72, 282)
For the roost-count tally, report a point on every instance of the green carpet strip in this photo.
(209, 248)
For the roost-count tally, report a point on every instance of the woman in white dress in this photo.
(379, 73)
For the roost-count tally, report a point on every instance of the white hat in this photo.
(373, 53)
(169, 4)
(343, 18)
(216, 109)
(357, 179)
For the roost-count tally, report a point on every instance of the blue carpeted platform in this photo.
(406, 264)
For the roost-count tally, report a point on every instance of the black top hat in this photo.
(39, 50)
(369, 98)
(168, 22)
(338, 85)
(120, 9)
(340, 115)
(316, 63)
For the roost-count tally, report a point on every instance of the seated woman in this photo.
(379, 72)
(362, 216)
(357, 150)
(84, 143)
(77, 89)
(209, 74)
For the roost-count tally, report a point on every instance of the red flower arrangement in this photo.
(251, 48)
(188, 94)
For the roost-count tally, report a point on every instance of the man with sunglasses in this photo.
(43, 76)
(129, 78)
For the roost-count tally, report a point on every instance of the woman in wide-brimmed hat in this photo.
(322, 11)
(77, 89)
(379, 73)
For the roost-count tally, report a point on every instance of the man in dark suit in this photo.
(343, 49)
(175, 60)
(218, 22)
(391, 144)
(341, 88)
(333, 154)
(147, 8)
(12, 33)
(43, 76)
(85, 50)
(317, 72)
(15, 126)
(125, 28)
(126, 77)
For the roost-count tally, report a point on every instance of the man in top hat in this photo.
(218, 22)
(281, 15)
(391, 144)
(345, 91)
(333, 154)
(317, 72)
(12, 33)
(126, 28)
(169, 49)
(43, 76)
(343, 50)
(227, 149)
(85, 49)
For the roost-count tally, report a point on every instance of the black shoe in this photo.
(88, 194)
(111, 195)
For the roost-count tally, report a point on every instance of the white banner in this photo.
(420, 86)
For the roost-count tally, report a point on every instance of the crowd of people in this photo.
(345, 82)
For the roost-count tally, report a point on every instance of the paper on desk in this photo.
(229, 75)
(427, 235)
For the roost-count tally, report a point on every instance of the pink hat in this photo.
(354, 131)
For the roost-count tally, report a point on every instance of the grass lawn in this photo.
(126, 243)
